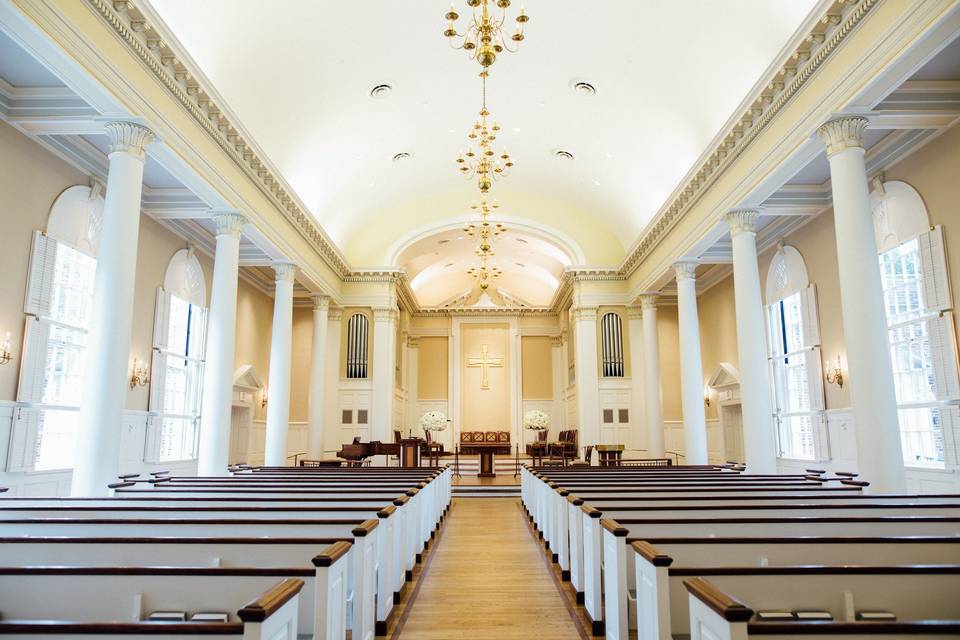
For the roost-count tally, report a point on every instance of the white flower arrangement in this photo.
(433, 421)
(536, 420)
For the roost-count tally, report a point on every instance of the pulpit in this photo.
(410, 452)
(610, 454)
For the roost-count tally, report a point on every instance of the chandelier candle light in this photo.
(483, 274)
(484, 163)
(484, 37)
(486, 230)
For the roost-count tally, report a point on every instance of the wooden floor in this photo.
(486, 577)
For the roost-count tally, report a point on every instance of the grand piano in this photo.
(356, 452)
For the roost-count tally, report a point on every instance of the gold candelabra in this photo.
(485, 36)
(484, 164)
(484, 274)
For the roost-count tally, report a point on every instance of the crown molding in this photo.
(148, 39)
(778, 89)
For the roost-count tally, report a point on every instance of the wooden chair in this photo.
(587, 454)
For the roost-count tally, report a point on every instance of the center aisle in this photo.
(487, 579)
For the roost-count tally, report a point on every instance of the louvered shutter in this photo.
(811, 319)
(950, 423)
(158, 380)
(198, 333)
(23, 440)
(943, 356)
(161, 321)
(33, 363)
(774, 330)
(814, 378)
(933, 261)
(43, 260)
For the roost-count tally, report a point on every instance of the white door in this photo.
(731, 417)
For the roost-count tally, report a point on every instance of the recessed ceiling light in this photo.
(459, 237)
(596, 182)
(403, 155)
(522, 240)
(380, 91)
(516, 129)
(520, 264)
(583, 88)
(449, 264)
(443, 241)
(563, 154)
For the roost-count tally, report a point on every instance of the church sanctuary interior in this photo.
(433, 320)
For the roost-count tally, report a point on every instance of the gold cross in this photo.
(484, 362)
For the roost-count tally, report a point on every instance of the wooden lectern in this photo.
(410, 452)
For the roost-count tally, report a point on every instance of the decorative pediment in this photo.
(246, 378)
(725, 376)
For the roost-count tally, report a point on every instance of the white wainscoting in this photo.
(616, 398)
(399, 406)
(843, 457)
(673, 440)
(57, 483)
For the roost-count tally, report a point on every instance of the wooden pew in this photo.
(29, 594)
(661, 567)
(716, 614)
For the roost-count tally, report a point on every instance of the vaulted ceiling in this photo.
(298, 75)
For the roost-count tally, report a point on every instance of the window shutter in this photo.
(943, 356)
(811, 319)
(950, 423)
(33, 363)
(933, 261)
(814, 378)
(43, 261)
(198, 333)
(158, 381)
(161, 321)
(774, 330)
(23, 439)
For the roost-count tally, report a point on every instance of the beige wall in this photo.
(718, 331)
(432, 366)
(300, 363)
(668, 331)
(537, 367)
(254, 325)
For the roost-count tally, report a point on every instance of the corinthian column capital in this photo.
(285, 271)
(129, 137)
(741, 221)
(229, 223)
(321, 302)
(685, 270)
(843, 133)
(648, 301)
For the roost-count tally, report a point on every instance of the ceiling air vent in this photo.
(583, 88)
(380, 91)
(563, 155)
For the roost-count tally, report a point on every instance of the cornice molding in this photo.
(823, 40)
(392, 275)
(593, 274)
(168, 66)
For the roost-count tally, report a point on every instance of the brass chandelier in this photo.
(485, 230)
(483, 164)
(485, 36)
(484, 274)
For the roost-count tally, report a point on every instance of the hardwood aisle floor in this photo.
(488, 580)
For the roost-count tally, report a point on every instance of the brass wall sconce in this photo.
(834, 374)
(140, 376)
(5, 355)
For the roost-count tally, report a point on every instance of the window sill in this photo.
(929, 469)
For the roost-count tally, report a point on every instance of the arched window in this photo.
(918, 304)
(357, 330)
(794, 353)
(178, 350)
(58, 303)
(612, 345)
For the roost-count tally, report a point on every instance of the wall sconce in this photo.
(834, 375)
(140, 376)
(263, 398)
(5, 356)
(707, 392)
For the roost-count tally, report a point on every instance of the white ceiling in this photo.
(297, 73)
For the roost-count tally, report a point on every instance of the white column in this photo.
(278, 405)
(558, 364)
(879, 457)
(218, 370)
(585, 367)
(384, 354)
(759, 442)
(691, 365)
(413, 363)
(318, 371)
(653, 400)
(639, 437)
(332, 438)
(104, 395)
